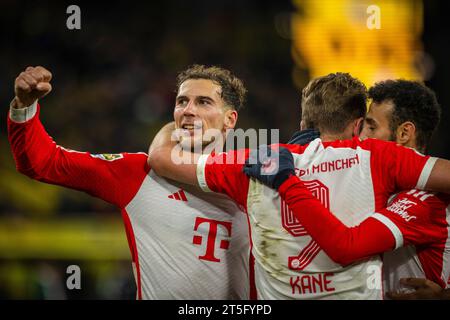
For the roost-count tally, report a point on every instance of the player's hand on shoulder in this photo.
(269, 166)
(423, 289)
(31, 85)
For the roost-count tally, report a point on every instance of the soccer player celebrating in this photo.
(406, 112)
(184, 243)
(352, 177)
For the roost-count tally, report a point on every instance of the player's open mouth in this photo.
(191, 127)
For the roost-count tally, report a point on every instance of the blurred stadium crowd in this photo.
(113, 88)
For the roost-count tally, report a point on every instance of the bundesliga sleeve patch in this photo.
(108, 156)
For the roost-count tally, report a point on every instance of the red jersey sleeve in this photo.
(416, 217)
(413, 218)
(114, 178)
(342, 244)
(395, 168)
(223, 173)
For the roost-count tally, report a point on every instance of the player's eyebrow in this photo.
(371, 121)
(178, 98)
(205, 98)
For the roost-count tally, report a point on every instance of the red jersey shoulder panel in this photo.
(223, 173)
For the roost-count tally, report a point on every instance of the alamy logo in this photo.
(73, 22)
(212, 237)
(74, 279)
(374, 277)
(212, 141)
(374, 19)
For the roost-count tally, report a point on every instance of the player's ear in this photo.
(302, 125)
(358, 126)
(406, 134)
(230, 118)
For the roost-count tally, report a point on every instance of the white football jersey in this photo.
(184, 243)
(352, 178)
(190, 244)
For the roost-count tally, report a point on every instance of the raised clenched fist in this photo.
(30, 85)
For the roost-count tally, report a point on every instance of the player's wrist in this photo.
(17, 103)
(293, 182)
(22, 115)
(282, 177)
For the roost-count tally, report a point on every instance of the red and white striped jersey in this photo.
(185, 244)
(424, 219)
(352, 178)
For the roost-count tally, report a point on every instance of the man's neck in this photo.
(326, 137)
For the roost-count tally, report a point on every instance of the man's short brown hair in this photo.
(233, 90)
(331, 102)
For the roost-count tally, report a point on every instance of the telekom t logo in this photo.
(212, 235)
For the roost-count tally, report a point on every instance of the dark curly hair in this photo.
(233, 89)
(414, 102)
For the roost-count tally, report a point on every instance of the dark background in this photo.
(113, 88)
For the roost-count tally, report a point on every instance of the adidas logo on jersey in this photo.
(179, 195)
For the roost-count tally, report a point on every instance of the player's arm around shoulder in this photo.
(405, 168)
(439, 179)
(168, 160)
(424, 289)
(216, 172)
(410, 167)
